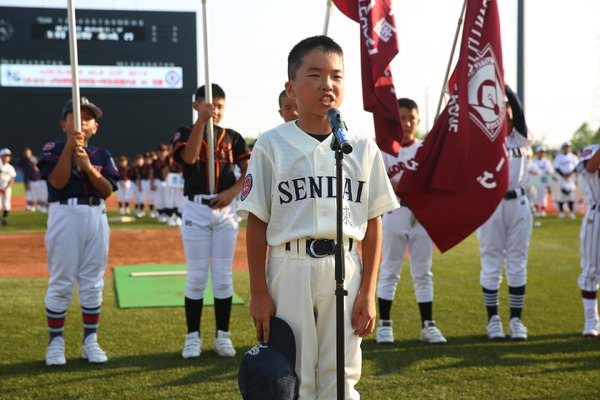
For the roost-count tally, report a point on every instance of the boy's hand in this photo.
(82, 159)
(75, 140)
(261, 310)
(363, 316)
(206, 111)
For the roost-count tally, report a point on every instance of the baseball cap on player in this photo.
(565, 144)
(267, 369)
(540, 149)
(5, 152)
(84, 103)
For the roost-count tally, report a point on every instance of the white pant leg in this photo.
(589, 251)
(309, 309)
(420, 249)
(518, 224)
(395, 227)
(5, 199)
(492, 242)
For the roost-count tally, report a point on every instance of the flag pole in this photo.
(74, 65)
(327, 16)
(460, 21)
(208, 99)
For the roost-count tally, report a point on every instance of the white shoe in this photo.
(494, 328)
(543, 214)
(153, 214)
(193, 346)
(55, 354)
(178, 221)
(518, 331)
(592, 327)
(162, 218)
(91, 350)
(171, 221)
(384, 332)
(430, 333)
(127, 211)
(561, 215)
(223, 345)
(121, 211)
(571, 215)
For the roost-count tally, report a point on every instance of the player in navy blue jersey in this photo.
(80, 177)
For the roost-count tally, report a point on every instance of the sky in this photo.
(248, 43)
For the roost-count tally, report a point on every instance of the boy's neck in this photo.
(314, 127)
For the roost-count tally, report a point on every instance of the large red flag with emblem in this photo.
(378, 46)
(461, 169)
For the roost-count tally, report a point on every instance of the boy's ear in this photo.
(289, 90)
(62, 125)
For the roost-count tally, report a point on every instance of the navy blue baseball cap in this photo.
(85, 103)
(267, 371)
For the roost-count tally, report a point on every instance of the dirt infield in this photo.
(26, 255)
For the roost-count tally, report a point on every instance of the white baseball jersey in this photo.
(590, 225)
(290, 184)
(7, 172)
(566, 164)
(295, 194)
(544, 165)
(401, 230)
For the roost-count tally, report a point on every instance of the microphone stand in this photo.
(340, 270)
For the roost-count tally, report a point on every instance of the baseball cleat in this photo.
(384, 332)
(494, 328)
(223, 345)
(55, 354)
(518, 331)
(193, 346)
(430, 333)
(592, 328)
(571, 215)
(91, 350)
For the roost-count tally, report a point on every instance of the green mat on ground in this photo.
(158, 286)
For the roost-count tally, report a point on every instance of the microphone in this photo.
(338, 126)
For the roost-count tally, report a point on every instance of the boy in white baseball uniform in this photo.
(289, 200)
(564, 166)
(504, 237)
(542, 189)
(589, 168)
(402, 230)
(7, 178)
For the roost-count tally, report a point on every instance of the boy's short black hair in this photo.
(217, 93)
(323, 43)
(408, 103)
(282, 96)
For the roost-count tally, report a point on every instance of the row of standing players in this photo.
(77, 189)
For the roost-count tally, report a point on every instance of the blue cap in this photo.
(267, 370)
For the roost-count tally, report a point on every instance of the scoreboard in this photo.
(139, 67)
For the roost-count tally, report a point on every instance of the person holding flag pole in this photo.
(80, 178)
(210, 225)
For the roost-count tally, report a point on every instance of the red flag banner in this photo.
(461, 171)
(378, 46)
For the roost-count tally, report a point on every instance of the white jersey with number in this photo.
(291, 182)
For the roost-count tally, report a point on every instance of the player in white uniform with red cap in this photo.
(504, 237)
(589, 168)
(402, 230)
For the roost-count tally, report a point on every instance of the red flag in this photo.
(378, 46)
(462, 166)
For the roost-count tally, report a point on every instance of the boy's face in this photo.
(289, 109)
(410, 122)
(5, 159)
(319, 84)
(89, 126)
(219, 104)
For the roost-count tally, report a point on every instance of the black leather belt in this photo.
(513, 194)
(319, 248)
(204, 200)
(92, 201)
